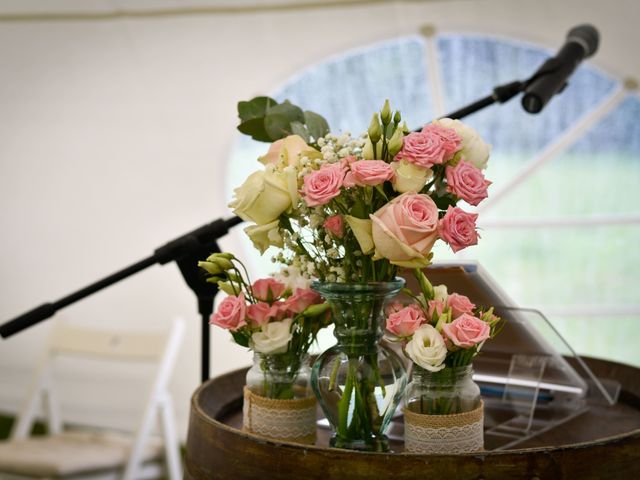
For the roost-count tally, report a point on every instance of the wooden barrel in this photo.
(603, 442)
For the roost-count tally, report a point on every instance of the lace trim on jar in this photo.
(285, 420)
(444, 434)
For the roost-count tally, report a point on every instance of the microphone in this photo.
(551, 77)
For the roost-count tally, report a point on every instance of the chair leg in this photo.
(171, 445)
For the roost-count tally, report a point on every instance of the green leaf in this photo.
(240, 338)
(317, 125)
(277, 126)
(255, 128)
(380, 190)
(298, 128)
(359, 209)
(289, 110)
(255, 108)
(443, 202)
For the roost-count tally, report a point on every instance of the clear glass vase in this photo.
(279, 376)
(449, 391)
(359, 382)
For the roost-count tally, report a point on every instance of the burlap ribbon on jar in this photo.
(284, 420)
(444, 434)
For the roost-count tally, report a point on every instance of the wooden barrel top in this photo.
(602, 442)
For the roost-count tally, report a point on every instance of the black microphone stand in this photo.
(185, 251)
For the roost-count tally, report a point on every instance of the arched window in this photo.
(561, 225)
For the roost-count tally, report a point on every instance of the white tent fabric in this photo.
(117, 119)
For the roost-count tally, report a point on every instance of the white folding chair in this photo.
(98, 454)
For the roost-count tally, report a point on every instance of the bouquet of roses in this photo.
(344, 209)
(278, 318)
(440, 329)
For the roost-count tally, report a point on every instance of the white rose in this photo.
(440, 293)
(265, 236)
(274, 337)
(427, 349)
(474, 150)
(265, 195)
(409, 177)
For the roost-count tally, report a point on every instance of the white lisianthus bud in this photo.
(440, 293)
(409, 177)
(274, 337)
(427, 349)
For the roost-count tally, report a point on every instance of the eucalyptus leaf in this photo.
(256, 129)
(255, 108)
(317, 125)
(298, 128)
(289, 110)
(277, 126)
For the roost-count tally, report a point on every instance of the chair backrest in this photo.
(157, 347)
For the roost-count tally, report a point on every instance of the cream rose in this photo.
(287, 152)
(265, 195)
(265, 236)
(405, 229)
(409, 176)
(427, 348)
(361, 229)
(474, 149)
(273, 337)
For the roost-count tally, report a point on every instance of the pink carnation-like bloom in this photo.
(422, 148)
(459, 304)
(230, 313)
(335, 225)
(268, 289)
(261, 313)
(451, 141)
(467, 331)
(405, 322)
(368, 172)
(435, 306)
(467, 182)
(458, 228)
(301, 299)
(321, 186)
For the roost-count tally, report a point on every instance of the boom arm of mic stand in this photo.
(185, 250)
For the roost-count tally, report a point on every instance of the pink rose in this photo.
(261, 313)
(268, 289)
(451, 141)
(368, 172)
(230, 313)
(301, 299)
(467, 331)
(458, 228)
(459, 305)
(424, 149)
(437, 307)
(467, 182)
(405, 229)
(322, 185)
(406, 321)
(335, 225)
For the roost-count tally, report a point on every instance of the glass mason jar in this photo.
(451, 390)
(279, 376)
(359, 382)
